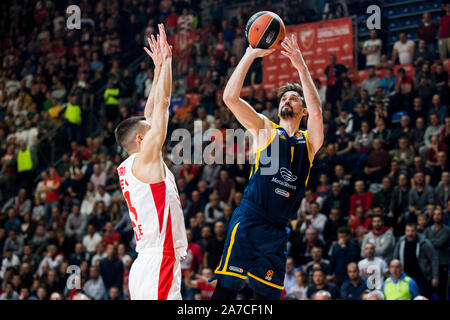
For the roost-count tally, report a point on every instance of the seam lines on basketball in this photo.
(262, 34)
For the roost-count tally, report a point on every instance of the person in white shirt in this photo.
(91, 239)
(9, 260)
(87, 205)
(102, 195)
(372, 50)
(373, 269)
(301, 286)
(403, 50)
(315, 220)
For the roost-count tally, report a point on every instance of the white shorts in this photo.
(155, 275)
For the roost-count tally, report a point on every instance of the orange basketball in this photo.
(265, 30)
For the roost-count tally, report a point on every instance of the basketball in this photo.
(265, 30)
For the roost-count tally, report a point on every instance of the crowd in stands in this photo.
(374, 222)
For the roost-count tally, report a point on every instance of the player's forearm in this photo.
(151, 97)
(234, 86)
(164, 86)
(312, 98)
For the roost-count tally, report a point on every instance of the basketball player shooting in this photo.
(255, 247)
(149, 188)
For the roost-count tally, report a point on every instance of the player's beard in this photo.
(287, 113)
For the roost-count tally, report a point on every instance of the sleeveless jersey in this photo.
(279, 176)
(155, 211)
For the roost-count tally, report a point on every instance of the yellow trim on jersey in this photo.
(228, 273)
(230, 246)
(220, 263)
(305, 134)
(265, 282)
(258, 151)
(292, 153)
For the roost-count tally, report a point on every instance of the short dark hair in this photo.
(291, 86)
(124, 130)
(344, 229)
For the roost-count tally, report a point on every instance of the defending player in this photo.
(255, 248)
(150, 190)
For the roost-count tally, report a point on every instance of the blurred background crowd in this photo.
(374, 222)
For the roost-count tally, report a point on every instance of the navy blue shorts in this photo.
(254, 250)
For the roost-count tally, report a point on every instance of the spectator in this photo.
(302, 283)
(399, 286)
(10, 293)
(201, 282)
(360, 197)
(372, 50)
(354, 286)
(419, 197)
(404, 153)
(76, 223)
(317, 259)
(372, 269)
(383, 197)
(110, 236)
(225, 187)
(359, 223)
(98, 177)
(314, 220)
(427, 32)
(342, 253)
(381, 237)
(91, 239)
(388, 82)
(214, 247)
(372, 82)
(403, 50)
(419, 258)
(442, 190)
(191, 263)
(111, 270)
(95, 287)
(319, 284)
(444, 33)
(74, 119)
(439, 236)
(422, 56)
(377, 162)
(334, 72)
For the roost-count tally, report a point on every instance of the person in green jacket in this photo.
(73, 115)
(111, 101)
(399, 286)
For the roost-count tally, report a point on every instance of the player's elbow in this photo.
(229, 99)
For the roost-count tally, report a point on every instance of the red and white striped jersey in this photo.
(155, 211)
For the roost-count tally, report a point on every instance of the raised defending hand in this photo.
(166, 49)
(292, 51)
(155, 51)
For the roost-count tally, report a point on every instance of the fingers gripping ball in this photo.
(265, 30)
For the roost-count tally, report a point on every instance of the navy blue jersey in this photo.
(279, 176)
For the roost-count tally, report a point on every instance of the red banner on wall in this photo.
(317, 41)
(182, 43)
